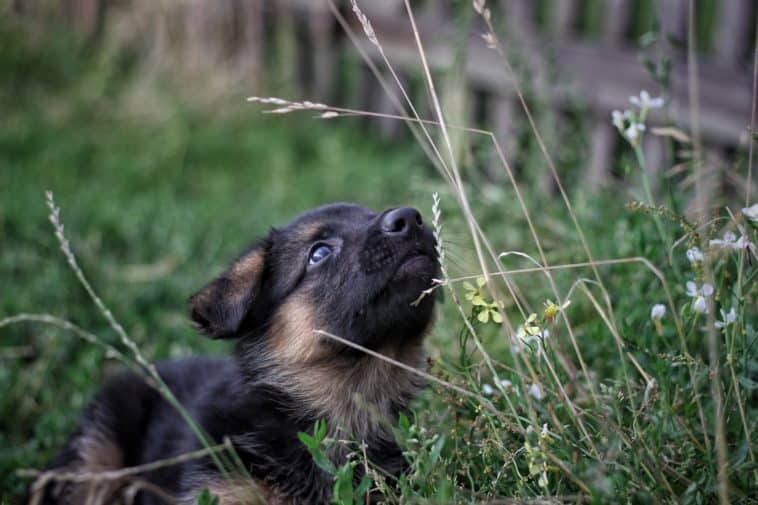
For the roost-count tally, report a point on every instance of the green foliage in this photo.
(206, 498)
(344, 492)
(314, 445)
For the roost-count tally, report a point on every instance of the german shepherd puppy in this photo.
(340, 268)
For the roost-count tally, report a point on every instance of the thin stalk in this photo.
(651, 200)
(722, 461)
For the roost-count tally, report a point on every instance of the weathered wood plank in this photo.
(616, 20)
(323, 58)
(731, 40)
(603, 139)
(563, 14)
(252, 44)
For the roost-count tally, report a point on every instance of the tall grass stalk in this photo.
(702, 205)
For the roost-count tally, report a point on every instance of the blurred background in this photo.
(133, 113)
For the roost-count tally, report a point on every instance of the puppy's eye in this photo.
(319, 254)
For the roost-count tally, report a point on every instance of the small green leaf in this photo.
(364, 485)
(343, 486)
(434, 455)
(403, 422)
(650, 66)
(320, 430)
(206, 498)
(307, 440)
(649, 38)
(324, 463)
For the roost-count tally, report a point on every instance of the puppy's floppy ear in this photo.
(220, 307)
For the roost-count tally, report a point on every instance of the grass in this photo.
(612, 406)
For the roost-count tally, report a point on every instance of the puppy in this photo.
(340, 268)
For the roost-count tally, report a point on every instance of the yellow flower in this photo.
(552, 310)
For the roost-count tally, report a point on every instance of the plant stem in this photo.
(651, 202)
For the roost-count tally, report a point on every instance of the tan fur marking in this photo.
(248, 266)
(99, 454)
(238, 493)
(291, 337)
(309, 231)
(357, 398)
(244, 274)
(361, 397)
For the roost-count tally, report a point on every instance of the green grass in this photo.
(158, 193)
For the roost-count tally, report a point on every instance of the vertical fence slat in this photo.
(563, 17)
(673, 17)
(602, 142)
(389, 128)
(730, 43)
(323, 58)
(616, 20)
(252, 44)
(503, 111)
(654, 157)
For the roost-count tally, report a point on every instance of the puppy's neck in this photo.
(361, 394)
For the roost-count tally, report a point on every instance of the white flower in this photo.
(536, 392)
(658, 311)
(700, 305)
(633, 132)
(619, 119)
(645, 101)
(487, 389)
(699, 294)
(744, 243)
(693, 291)
(695, 255)
(729, 239)
(751, 213)
(726, 318)
(506, 383)
(544, 431)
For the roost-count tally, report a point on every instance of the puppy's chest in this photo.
(264, 433)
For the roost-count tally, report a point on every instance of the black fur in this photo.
(379, 264)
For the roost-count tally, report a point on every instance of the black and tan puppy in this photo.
(339, 268)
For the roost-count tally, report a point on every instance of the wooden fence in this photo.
(597, 66)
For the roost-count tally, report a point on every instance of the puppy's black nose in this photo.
(402, 222)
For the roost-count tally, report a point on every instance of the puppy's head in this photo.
(340, 268)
